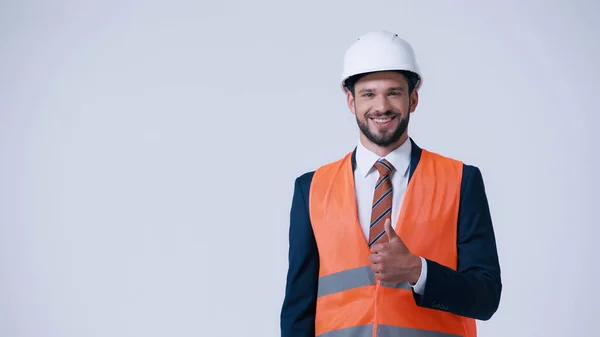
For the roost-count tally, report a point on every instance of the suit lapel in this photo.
(415, 157)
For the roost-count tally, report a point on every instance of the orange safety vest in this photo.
(350, 301)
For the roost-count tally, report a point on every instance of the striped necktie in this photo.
(382, 202)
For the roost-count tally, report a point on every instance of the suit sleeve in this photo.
(299, 304)
(474, 289)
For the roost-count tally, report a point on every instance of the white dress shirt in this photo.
(366, 176)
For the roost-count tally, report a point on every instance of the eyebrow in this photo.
(372, 90)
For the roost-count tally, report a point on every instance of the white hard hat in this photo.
(380, 51)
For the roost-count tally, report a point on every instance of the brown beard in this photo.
(388, 138)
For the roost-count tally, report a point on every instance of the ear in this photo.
(350, 101)
(414, 100)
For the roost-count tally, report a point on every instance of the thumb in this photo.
(391, 233)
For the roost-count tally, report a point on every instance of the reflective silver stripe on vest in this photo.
(401, 285)
(396, 331)
(344, 280)
(355, 331)
(384, 331)
(352, 278)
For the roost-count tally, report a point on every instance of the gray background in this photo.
(125, 126)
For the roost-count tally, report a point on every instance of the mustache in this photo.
(388, 113)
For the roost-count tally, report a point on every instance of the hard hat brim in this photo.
(418, 84)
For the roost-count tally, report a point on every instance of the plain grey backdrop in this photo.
(148, 152)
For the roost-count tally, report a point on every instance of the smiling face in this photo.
(382, 105)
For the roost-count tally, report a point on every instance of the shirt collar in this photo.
(399, 157)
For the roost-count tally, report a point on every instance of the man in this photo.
(391, 239)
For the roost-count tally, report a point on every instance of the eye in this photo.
(368, 94)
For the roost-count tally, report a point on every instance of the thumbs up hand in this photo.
(392, 262)
(392, 235)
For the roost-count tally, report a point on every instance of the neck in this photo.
(382, 151)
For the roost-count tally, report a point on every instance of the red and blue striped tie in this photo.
(382, 202)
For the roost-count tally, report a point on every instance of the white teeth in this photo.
(382, 120)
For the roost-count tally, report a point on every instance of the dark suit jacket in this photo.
(472, 291)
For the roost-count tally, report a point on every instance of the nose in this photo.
(381, 104)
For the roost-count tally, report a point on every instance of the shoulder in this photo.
(469, 170)
(472, 181)
(438, 157)
(471, 175)
(305, 179)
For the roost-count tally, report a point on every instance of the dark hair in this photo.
(411, 78)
